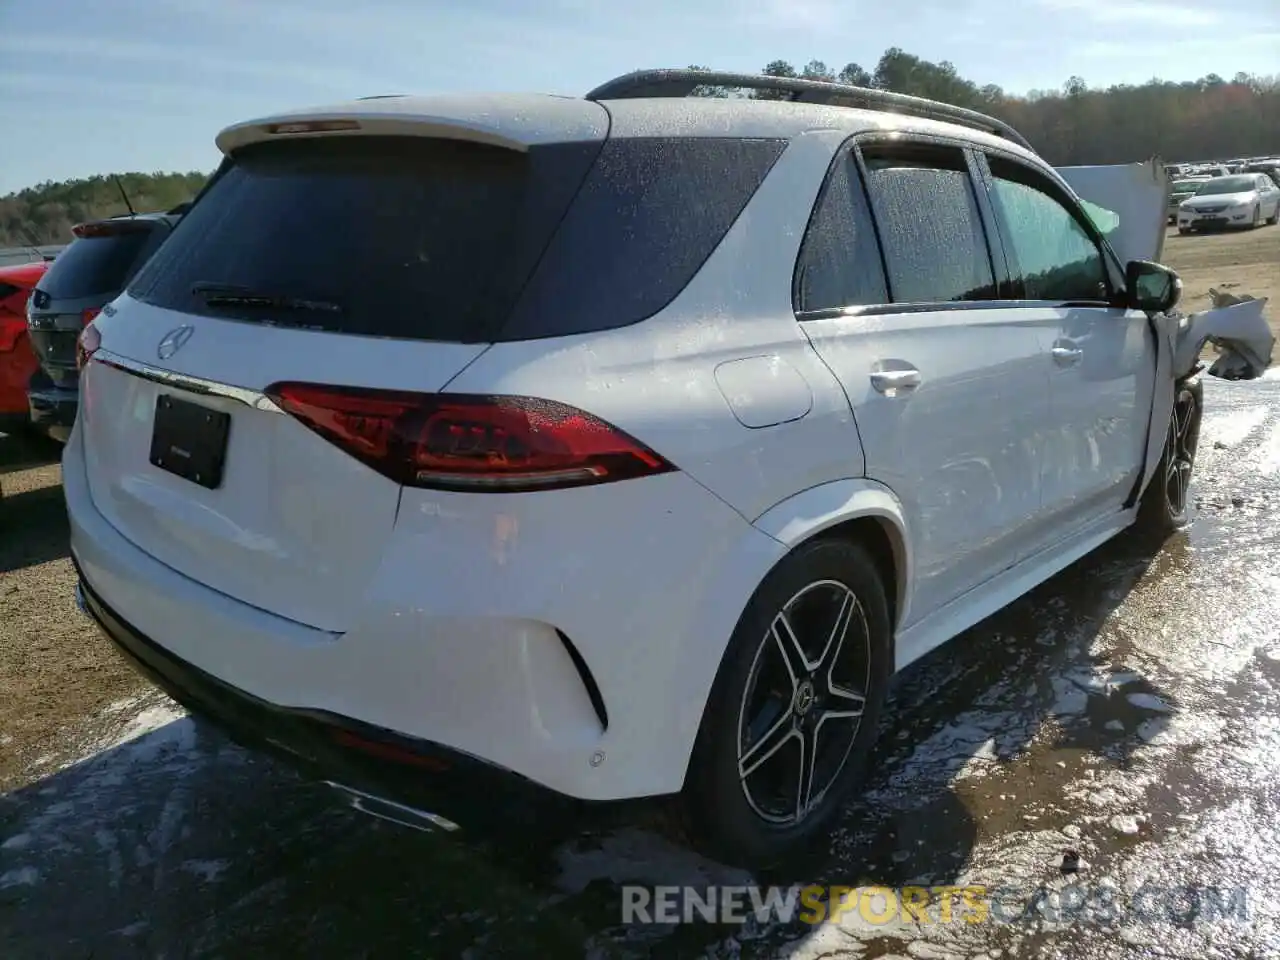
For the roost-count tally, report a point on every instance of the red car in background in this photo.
(17, 361)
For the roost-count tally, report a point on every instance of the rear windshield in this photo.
(428, 239)
(94, 266)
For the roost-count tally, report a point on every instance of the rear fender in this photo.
(813, 511)
(773, 535)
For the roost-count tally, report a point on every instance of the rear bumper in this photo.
(52, 409)
(365, 760)
(580, 662)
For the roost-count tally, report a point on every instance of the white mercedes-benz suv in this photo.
(618, 447)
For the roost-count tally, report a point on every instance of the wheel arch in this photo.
(861, 510)
(857, 509)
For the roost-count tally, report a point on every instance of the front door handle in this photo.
(1066, 356)
(893, 382)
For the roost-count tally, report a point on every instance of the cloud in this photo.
(1104, 49)
(92, 49)
(1136, 11)
(792, 15)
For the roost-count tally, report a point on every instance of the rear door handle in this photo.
(1066, 356)
(893, 382)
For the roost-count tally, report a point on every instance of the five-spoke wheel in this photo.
(803, 702)
(1180, 452)
(793, 712)
(1166, 504)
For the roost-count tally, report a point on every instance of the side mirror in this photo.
(1151, 287)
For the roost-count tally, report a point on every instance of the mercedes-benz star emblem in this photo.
(173, 341)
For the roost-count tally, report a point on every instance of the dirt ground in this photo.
(1242, 262)
(53, 668)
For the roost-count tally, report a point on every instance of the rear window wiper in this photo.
(234, 295)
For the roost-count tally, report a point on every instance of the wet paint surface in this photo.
(1127, 711)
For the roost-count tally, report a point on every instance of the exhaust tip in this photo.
(398, 813)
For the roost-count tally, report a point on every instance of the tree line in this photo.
(45, 214)
(1207, 119)
(1211, 118)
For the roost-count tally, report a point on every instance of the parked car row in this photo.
(1267, 165)
(46, 304)
(44, 307)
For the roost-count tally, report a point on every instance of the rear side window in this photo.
(649, 215)
(935, 246)
(1054, 254)
(839, 262)
(94, 266)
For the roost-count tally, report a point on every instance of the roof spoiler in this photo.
(114, 227)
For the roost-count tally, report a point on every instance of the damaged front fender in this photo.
(1237, 327)
(1128, 203)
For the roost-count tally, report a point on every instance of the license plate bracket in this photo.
(190, 441)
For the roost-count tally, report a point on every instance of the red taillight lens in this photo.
(87, 344)
(89, 316)
(462, 442)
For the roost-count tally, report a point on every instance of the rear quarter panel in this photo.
(703, 381)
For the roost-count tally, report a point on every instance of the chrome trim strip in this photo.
(181, 381)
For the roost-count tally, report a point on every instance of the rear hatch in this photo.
(353, 261)
(89, 273)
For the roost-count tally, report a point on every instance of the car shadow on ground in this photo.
(180, 843)
(33, 528)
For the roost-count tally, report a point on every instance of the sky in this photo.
(98, 86)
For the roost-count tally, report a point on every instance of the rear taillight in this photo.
(463, 442)
(89, 316)
(87, 344)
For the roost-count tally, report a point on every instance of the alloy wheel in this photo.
(1179, 453)
(803, 702)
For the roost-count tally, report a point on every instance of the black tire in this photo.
(1165, 505)
(744, 819)
(1183, 231)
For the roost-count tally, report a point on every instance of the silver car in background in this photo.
(1240, 200)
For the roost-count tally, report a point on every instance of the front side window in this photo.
(1054, 253)
(935, 246)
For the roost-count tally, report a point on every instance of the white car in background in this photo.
(618, 447)
(1238, 200)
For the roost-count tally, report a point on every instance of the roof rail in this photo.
(681, 83)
